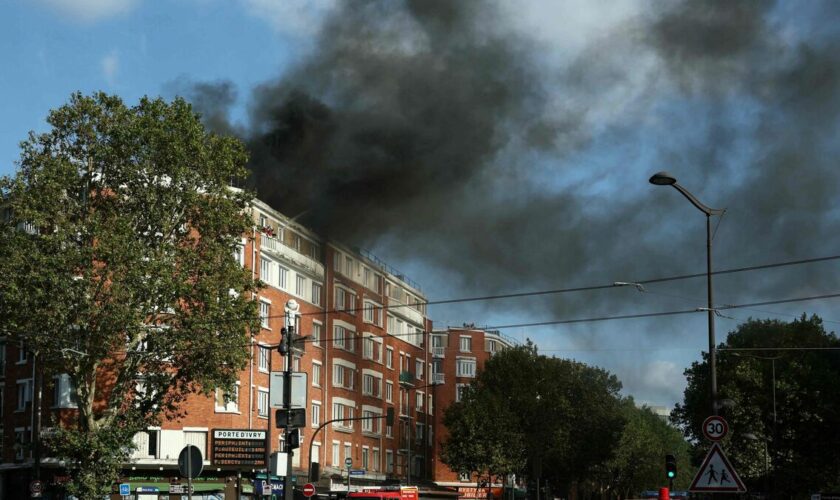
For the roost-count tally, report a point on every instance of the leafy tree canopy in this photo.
(544, 417)
(118, 269)
(782, 378)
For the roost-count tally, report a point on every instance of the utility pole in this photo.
(286, 344)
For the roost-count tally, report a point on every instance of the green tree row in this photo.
(779, 384)
(560, 423)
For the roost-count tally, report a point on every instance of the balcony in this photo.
(438, 352)
(277, 249)
(407, 379)
(438, 378)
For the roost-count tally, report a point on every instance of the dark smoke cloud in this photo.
(434, 130)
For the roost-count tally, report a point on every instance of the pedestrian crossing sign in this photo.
(717, 475)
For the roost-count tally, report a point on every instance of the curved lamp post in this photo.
(666, 179)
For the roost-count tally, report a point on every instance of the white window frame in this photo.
(263, 358)
(465, 343)
(265, 313)
(460, 367)
(317, 373)
(262, 402)
(317, 333)
(231, 406)
(315, 417)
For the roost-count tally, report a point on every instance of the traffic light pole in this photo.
(288, 340)
(389, 418)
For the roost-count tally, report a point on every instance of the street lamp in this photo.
(666, 179)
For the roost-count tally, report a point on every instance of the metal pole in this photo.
(711, 313)
(291, 313)
(189, 473)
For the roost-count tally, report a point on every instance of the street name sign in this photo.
(715, 428)
(716, 475)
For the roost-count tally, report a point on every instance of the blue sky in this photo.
(745, 123)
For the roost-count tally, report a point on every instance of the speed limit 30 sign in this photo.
(715, 428)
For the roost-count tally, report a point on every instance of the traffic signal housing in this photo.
(670, 466)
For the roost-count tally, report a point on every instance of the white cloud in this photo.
(90, 10)
(291, 17)
(110, 65)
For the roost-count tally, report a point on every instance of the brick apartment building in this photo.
(458, 354)
(367, 351)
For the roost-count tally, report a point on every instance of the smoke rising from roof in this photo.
(439, 130)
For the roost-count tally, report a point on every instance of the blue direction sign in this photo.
(357, 472)
(125, 489)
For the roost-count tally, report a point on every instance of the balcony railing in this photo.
(438, 352)
(438, 378)
(406, 378)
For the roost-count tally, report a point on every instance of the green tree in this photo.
(639, 460)
(782, 378)
(118, 269)
(564, 416)
(486, 447)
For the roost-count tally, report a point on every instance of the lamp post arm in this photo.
(312, 440)
(694, 201)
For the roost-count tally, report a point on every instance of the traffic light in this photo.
(670, 466)
(286, 334)
(294, 439)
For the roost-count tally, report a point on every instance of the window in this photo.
(375, 459)
(389, 461)
(316, 414)
(64, 394)
(343, 338)
(265, 270)
(365, 457)
(348, 266)
(372, 349)
(296, 363)
(152, 438)
(300, 286)
(368, 277)
(343, 376)
(431, 407)
(23, 354)
(389, 357)
(227, 402)
(337, 262)
(351, 303)
(264, 354)
(342, 411)
(459, 391)
(282, 277)
(262, 403)
(466, 344)
(392, 325)
(24, 393)
(418, 369)
(465, 368)
(371, 385)
(418, 432)
(340, 299)
(316, 294)
(316, 453)
(316, 334)
(419, 397)
(316, 374)
(239, 254)
(265, 312)
(389, 391)
(348, 451)
(336, 455)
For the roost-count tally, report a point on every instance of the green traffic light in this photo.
(671, 474)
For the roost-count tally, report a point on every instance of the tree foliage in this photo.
(542, 417)
(785, 399)
(639, 458)
(118, 268)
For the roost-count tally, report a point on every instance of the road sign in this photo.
(308, 489)
(299, 388)
(715, 428)
(36, 487)
(348, 462)
(357, 472)
(190, 462)
(716, 475)
(125, 489)
(180, 489)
